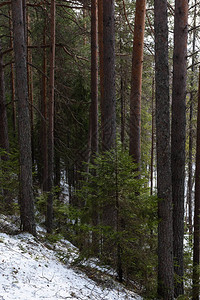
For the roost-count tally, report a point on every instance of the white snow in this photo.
(29, 270)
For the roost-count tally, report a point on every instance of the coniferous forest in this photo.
(100, 133)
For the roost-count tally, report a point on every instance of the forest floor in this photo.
(33, 268)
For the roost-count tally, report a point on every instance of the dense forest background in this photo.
(100, 131)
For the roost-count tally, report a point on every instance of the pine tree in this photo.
(178, 136)
(109, 100)
(4, 140)
(164, 185)
(136, 82)
(49, 216)
(196, 247)
(24, 129)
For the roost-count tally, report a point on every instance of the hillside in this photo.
(32, 269)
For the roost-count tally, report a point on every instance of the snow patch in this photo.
(29, 270)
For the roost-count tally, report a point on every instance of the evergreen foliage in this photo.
(9, 181)
(132, 252)
(111, 177)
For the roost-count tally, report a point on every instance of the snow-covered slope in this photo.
(29, 270)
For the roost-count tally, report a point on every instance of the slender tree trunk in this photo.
(57, 170)
(109, 100)
(24, 129)
(49, 220)
(123, 109)
(44, 141)
(196, 247)
(12, 78)
(191, 129)
(152, 134)
(101, 72)
(136, 82)
(119, 223)
(30, 82)
(122, 99)
(164, 184)
(190, 162)
(94, 108)
(178, 135)
(4, 140)
(94, 79)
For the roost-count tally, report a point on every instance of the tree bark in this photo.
(164, 185)
(122, 98)
(109, 100)
(44, 142)
(101, 72)
(94, 109)
(12, 78)
(4, 140)
(136, 82)
(196, 246)
(30, 81)
(178, 135)
(191, 129)
(94, 80)
(152, 135)
(109, 217)
(49, 219)
(24, 129)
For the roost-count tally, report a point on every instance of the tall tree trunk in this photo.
(30, 82)
(196, 247)
(190, 171)
(123, 109)
(136, 82)
(109, 109)
(109, 100)
(4, 140)
(12, 78)
(152, 134)
(178, 135)
(122, 98)
(49, 220)
(191, 129)
(44, 142)
(101, 72)
(94, 80)
(94, 108)
(164, 184)
(24, 129)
